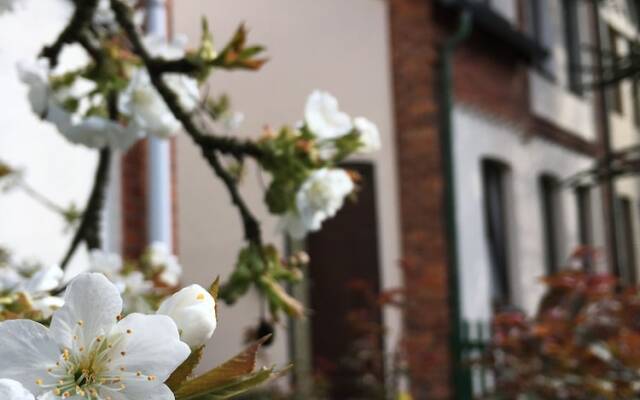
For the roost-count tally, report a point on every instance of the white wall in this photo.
(52, 166)
(476, 137)
(550, 97)
(336, 45)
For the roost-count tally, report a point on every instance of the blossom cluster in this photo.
(26, 288)
(310, 188)
(80, 103)
(91, 351)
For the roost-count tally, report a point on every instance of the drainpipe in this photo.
(159, 223)
(460, 383)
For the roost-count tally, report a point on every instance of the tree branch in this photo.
(209, 145)
(89, 228)
(82, 17)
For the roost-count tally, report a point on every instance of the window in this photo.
(494, 177)
(636, 101)
(634, 48)
(611, 65)
(626, 241)
(549, 187)
(570, 17)
(540, 30)
(585, 221)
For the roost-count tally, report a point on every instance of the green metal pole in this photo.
(461, 382)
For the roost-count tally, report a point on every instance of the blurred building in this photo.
(485, 111)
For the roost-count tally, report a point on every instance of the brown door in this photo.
(347, 347)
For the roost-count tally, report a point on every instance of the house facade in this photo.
(485, 112)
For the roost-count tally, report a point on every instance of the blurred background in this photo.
(499, 148)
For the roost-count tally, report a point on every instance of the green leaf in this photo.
(242, 364)
(207, 51)
(184, 371)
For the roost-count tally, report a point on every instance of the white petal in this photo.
(109, 264)
(152, 346)
(47, 305)
(324, 118)
(26, 351)
(292, 224)
(140, 391)
(369, 135)
(91, 302)
(46, 279)
(13, 390)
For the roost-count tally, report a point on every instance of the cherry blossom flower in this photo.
(89, 352)
(320, 197)
(147, 111)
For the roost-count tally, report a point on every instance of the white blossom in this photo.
(368, 134)
(13, 390)
(324, 118)
(36, 285)
(90, 130)
(87, 353)
(147, 111)
(35, 76)
(194, 311)
(320, 197)
(158, 46)
(160, 256)
(132, 285)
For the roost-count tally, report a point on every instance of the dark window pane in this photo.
(585, 222)
(572, 44)
(549, 187)
(494, 177)
(627, 242)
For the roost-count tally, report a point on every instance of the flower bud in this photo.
(193, 310)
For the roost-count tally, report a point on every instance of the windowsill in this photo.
(560, 106)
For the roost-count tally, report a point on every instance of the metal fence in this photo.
(479, 379)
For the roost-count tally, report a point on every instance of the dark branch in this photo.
(89, 229)
(209, 145)
(82, 17)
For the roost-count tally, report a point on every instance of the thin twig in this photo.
(209, 145)
(40, 198)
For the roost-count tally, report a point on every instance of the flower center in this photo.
(91, 371)
(319, 195)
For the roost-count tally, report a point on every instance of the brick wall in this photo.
(134, 201)
(487, 76)
(414, 38)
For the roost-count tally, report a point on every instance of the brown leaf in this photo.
(242, 364)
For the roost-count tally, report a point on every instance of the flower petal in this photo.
(152, 346)
(46, 279)
(91, 302)
(26, 351)
(13, 390)
(139, 392)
